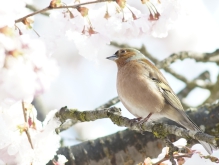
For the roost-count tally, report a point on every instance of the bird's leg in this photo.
(143, 121)
(135, 120)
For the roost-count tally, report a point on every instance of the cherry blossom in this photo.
(15, 147)
(25, 68)
(92, 25)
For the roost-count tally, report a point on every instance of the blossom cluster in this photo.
(92, 27)
(15, 147)
(196, 154)
(26, 70)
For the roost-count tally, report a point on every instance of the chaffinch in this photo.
(145, 92)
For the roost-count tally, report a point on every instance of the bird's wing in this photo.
(155, 75)
(169, 95)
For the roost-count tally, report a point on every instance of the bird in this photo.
(145, 92)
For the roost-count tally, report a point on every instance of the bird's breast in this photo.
(138, 93)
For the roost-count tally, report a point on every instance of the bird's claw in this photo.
(140, 126)
(135, 120)
(143, 121)
(139, 121)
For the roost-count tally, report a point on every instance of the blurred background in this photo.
(85, 84)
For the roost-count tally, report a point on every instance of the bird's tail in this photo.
(183, 119)
(189, 124)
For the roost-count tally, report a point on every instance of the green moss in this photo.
(72, 110)
(159, 131)
(70, 113)
(82, 116)
(116, 119)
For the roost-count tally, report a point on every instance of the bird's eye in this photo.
(123, 51)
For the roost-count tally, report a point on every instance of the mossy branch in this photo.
(160, 130)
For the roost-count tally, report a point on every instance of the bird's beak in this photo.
(113, 57)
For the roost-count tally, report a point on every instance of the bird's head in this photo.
(125, 55)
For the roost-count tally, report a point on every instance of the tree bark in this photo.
(130, 147)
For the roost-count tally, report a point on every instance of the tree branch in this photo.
(76, 116)
(214, 92)
(175, 157)
(27, 129)
(108, 104)
(34, 9)
(60, 7)
(158, 129)
(185, 91)
(198, 57)
(131, 147)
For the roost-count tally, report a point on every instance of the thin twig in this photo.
(194, 83)
(198, 57)
(27, 130)
(109, 103)
(60, 7)
(34, 9)
(24, 112)
(172, 149)
(175, 157)
(185, 91)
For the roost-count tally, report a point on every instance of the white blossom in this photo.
(9, 11)
(109, 22)
(198, 152)
(196, 158)
(25, 68)
(15, 147)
